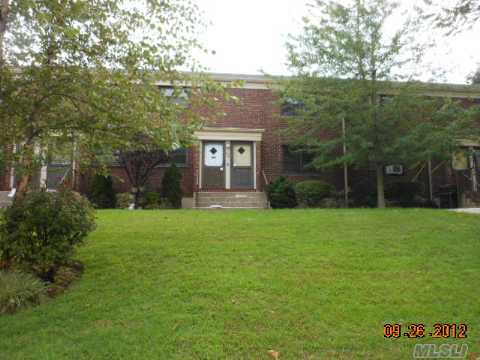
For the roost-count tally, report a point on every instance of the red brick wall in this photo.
(5, 173)
(121, 183)
(4, 181)
(257, 109)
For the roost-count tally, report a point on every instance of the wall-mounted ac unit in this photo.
(394, 170)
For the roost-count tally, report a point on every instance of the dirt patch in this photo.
(64, 277)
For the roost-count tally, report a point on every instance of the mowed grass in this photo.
(312, 284)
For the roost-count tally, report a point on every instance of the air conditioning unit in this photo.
(394, 170)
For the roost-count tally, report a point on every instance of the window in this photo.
(179, 95)
(296, 161)
(177, 157)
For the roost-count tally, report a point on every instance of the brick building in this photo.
(236, 156)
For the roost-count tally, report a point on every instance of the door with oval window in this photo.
(213, 165)
(242, 165)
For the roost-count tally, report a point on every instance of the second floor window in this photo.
(177, 157)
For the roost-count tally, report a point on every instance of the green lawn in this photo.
(313, 284)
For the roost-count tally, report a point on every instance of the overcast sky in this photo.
(249, 36)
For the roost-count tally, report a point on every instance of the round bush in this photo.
(281, 194)
(124, 200)
(310, 193)
(151, 200)
(41, 230)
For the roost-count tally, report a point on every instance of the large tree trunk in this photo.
(22, 186)
(26, 163)
(380, 186)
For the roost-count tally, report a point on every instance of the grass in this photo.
(312, 284)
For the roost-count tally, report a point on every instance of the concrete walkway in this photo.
(468, 211)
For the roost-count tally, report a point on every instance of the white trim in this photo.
(228, 167)
(43, 177)
(12, 170)
(38, 150)
(255, 165)
(232, 134)
(200, 164)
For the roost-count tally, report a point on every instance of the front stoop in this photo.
(5, 200)
(231, 200)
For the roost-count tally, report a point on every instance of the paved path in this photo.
(468, 211)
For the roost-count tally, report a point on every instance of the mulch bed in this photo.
(64, 277)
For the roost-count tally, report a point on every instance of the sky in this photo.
(248, 37)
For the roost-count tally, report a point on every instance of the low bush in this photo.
(310, 193)
(172, 187)
(151, 200)
(124, 200)
(101, 193)
(41, 230)
(281, 194)
(364, 193)
(19, 290)
(405, 193)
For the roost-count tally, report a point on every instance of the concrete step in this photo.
(256, 200)
(4, 199)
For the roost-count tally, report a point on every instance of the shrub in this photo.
(364, 193)
(19, 290)
(41, 230)
(102, 194)
(172, 186)
(405, 193)
(124, 200)
(281, 194)
(310, 193)
(151, 200)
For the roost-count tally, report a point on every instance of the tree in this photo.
(139, 164)
(83, 74)
(463, 14)
(346, 65)
(475, 78)
(172, 186)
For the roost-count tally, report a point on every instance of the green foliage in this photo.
(453, 17)
(84, 74)
(405, 193)
(281, 194)
(172, 186)
(150, 200)
(124, 200)
(364, 193)
(19, 290)
(347, 63)
(102, 194)
(310, 193)
(42, 230)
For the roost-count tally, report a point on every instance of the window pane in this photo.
(292, 161)
(242, 155)
(295, 161)
(178, 157)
